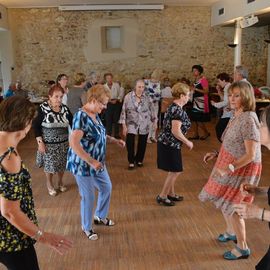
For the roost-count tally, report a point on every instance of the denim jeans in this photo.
(87, 186)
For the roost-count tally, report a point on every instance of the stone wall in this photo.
(48, 42)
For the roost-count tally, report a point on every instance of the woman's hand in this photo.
(57, 242)
(41, 147)
(222, 171)
(247, 210)
(120, 143)
(95, 164)
(189, 144)
(124, 130)
(209, 156)
(213, 103)
(248, 189)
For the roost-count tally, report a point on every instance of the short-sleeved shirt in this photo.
(16, 187)
(93, 142)
(137, 115)
(174, 112)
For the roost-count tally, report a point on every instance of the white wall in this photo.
(6, 53)
(235, 9)
(3, 20)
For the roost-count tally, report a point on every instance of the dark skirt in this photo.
(169, 158)
(198, 116)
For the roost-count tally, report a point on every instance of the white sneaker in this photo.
(91, 235)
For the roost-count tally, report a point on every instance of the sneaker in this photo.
(91, 235)
(106, 221)
(131, 166)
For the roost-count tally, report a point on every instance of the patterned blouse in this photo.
(137, 115)
(153, 90)
(16, 187)
(174, 112)
(51, 125)
(93, 142)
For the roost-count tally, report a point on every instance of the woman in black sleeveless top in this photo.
(18, 223)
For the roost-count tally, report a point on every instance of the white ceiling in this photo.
(56, 3)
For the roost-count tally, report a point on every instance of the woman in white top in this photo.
(224, 83)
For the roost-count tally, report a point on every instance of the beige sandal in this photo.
(52, 192)
(62, 188)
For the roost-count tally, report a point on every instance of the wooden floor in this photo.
(146, 236)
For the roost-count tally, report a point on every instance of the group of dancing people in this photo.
(78, 143)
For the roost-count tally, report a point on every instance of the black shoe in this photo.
(176, 198)
(194, 138)
(164, 201)
(205, 137)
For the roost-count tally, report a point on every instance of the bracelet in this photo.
(37, 235)
(263, 214)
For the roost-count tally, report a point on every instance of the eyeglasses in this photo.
(102, 103)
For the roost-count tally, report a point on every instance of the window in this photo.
(111, 37)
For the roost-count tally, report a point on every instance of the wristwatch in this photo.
(231, 167)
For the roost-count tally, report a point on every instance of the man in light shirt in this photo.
(114, 105)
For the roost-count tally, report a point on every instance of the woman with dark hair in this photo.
(51, 131)
(199, 113)
(223, 81)
(137, 116)
(238, 161)
(247, 210)
(62, 80)
(18, 221)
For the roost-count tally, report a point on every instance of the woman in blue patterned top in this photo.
(18, 223)
(86, 159)
(175, 125)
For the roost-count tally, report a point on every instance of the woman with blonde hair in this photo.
(175, 125)
(86, 159)
(238, 162)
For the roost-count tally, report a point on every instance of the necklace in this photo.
(138, 96)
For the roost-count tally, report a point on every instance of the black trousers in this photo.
(141, 147)
(25, 259)
(264, 263)
(221, 126)
(112, 115)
